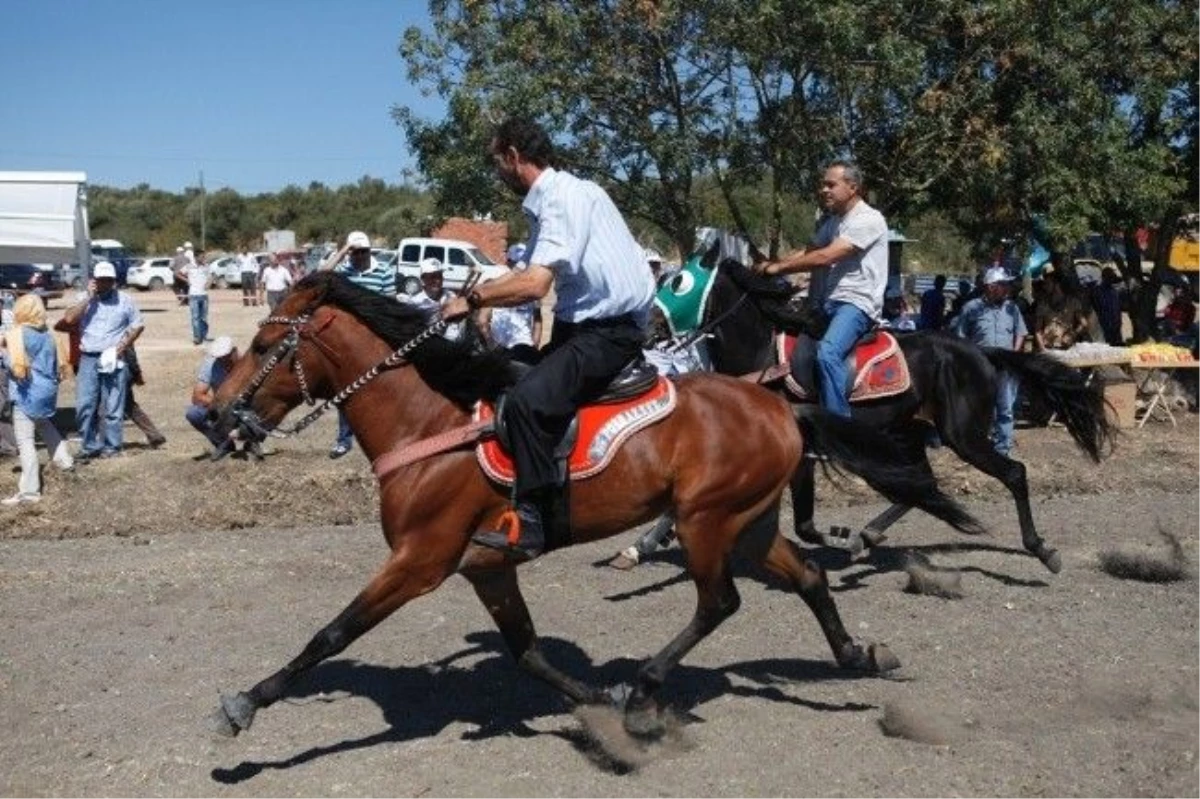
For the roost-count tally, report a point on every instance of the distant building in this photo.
(490, 237)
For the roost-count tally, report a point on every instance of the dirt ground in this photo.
(143, 586)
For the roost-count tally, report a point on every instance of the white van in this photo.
(458, 259)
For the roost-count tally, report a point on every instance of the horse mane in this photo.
(774, 299)
(452, 368)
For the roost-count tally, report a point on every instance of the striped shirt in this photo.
(577, 232)
(377, 277)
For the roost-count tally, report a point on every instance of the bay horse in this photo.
(720, 461)
(952, 391)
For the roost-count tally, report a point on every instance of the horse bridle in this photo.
(288, 347)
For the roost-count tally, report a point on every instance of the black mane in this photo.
(451, 368)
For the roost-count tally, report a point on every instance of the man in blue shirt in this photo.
(580, 245)
(109, 323)
(209, 377)
(355, 263)
(994, 320)
(933, 306)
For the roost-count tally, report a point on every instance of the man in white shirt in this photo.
(517, 329)
(248, 266)
(198, 275)
(849, 262)
(276, 279)
(580, 245)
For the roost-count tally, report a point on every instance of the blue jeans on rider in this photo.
(99, 406)
(1002, 426)
(847, 324)
(198, 304)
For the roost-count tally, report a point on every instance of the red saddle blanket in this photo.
(880, 369)
(602, 430)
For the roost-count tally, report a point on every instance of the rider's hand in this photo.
(455, 309)
(760, 267)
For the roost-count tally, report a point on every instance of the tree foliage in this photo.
(1080, 113)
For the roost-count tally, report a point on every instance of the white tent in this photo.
(43, 218)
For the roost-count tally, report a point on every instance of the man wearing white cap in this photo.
(994, 320)
(355, 263)
(109, 322)
(212, 373)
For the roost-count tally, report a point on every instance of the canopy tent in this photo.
(43, 218)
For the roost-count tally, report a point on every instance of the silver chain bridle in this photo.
(288, 346)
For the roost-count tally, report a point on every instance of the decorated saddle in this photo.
(593, 438)
(876, 367)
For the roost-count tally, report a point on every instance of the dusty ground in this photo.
(182, 579)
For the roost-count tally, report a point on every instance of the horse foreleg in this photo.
(389, 589)
(785, 559)
(501, 595)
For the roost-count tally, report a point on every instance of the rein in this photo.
(288, 347)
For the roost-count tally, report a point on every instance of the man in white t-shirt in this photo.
(276, 278)
(198, 275)
(849, 262)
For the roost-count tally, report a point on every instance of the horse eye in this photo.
(258, 348)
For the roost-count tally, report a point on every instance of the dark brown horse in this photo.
(720, 462)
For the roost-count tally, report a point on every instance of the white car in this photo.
(226, 271)
(151, 274)
(459, 259)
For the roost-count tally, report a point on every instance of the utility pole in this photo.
(202, 226)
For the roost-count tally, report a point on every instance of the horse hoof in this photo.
(235, 714)
(616, 695)
(623, 562)
(645, 723)
(882, 658)
(1051, 559)
(872, 538)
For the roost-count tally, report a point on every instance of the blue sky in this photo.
(257, 94)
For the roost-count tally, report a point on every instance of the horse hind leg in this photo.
(979, 452)
(500, 594)
(785, 559)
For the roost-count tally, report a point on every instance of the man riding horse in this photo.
(849, 262)
(580, 244)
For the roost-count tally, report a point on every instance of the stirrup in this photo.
(507, 538)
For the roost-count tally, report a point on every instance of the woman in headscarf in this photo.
(35, 360)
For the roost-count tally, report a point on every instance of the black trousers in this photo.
(579, 363)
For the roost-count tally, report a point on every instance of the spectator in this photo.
(994, 320)
(198, 275)
(178, 266)
(1059, 318)
(1179, 314)
(517, 329)
(8, 439)
(1106, 299)
(212, 373)
(249, 271)
(276, 279)
(109, 323)
(355, 263)
(33, 358)
(133, 411)
(933, 306)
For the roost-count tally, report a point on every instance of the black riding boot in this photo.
(531, 540)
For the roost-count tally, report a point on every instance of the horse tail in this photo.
(876, 458)
(1080, 406)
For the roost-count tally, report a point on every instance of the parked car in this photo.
(152, 273)
(458, 259)
(24, 278)
(226, 271)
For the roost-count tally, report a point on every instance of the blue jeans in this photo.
(197, 416)
(198, 303)
(345, 436)
(847, 324)
(1002, 426)
(99, 406)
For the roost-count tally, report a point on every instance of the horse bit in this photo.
(287, 348)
